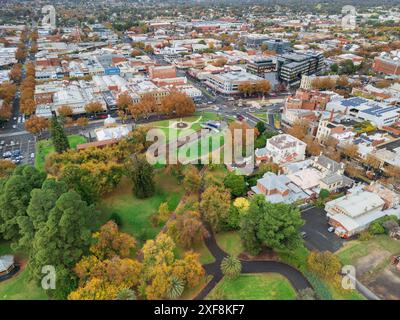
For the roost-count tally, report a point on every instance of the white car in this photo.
(331, 229)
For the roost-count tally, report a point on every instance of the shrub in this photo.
(376, 228)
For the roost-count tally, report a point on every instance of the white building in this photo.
(281, 149)
(354, 212)
(378, 113)
(229, 82)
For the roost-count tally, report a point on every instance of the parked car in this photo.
(331, 229)
(7, 154)
(303, 234)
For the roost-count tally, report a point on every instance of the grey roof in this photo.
(6, 262)
(271, 181)
(324, 161)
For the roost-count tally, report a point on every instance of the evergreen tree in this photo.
(15, 194)
(143, 178)
(61, 241)
(58, 136)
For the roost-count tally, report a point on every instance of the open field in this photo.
(44, 147)
(265, 286)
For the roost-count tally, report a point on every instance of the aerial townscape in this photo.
(200, 150)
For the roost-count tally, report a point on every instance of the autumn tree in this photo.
(109, 269)
(313, 147)
(350, 151)
(178, 104)
(192, 179)
(263, 87)
(16, 73)
(299, 129)
(392, 171)
(124, 101)
(325, 264)
(28, 106)
(65, 111)
(82, 121)
(215, 204)
(36, 125)
(187, 229)
(94, 107)
(372, 162)
(162, 270)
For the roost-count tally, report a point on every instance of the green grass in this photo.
(198, 118)
(266, 286)
(136, 213)
(230, 242)
(44, 147)
(20, 288)
(261, 115)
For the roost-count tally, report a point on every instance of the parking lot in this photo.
(317, 235)
(18, 149)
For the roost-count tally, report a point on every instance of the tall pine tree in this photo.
(60, 140)
(142, 178)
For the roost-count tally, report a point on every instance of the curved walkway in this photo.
(296, 278)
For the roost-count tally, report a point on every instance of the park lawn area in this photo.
(20, 288)
(355, 249)
(44, 147)
(263, 286)
(230, 242)
(135, 214)
(196, 119)
(200, 148)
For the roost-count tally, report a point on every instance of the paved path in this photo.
(295, 277)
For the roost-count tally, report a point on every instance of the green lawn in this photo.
(20, 288)
(195, 121)
(136, 213)
(230, 242)
(44, 147)
(261, 115)
(265, 286)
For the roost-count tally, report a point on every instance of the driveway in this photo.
(316, 227)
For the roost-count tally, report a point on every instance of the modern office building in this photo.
(292, 66)
(229, 82)
(260, 66)
(278, 45)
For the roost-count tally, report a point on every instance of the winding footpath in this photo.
(296, 278)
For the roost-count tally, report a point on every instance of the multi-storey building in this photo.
(292, 66)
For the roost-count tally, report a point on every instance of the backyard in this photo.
(265, 286)
(44, 147)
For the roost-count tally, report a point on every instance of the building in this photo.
(278, 45)
(292, 66)
(378, 113)
(387, 66)
(281, 149)
(278, 188)
(354, 212)
(162, 72)
(260, 66)
(229, 82)
(255, 40)
(328, 129)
